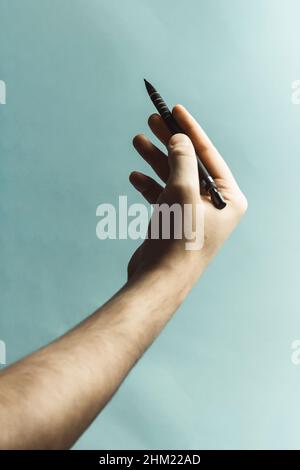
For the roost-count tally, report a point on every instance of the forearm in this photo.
(49, 398)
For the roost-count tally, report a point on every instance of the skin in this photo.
(50, 397)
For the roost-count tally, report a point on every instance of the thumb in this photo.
(182, 160)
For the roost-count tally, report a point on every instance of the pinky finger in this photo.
(147, 186)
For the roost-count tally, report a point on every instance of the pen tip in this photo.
(149, 87)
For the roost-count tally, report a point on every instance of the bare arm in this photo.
(49, 398)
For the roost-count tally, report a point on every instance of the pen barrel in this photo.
(160, 105)
(172, 124)
(207, 183)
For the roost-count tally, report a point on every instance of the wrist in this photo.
(165, 280)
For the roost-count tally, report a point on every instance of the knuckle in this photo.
(178, 187)
(240, 204)
(182, 188)
(179, 150)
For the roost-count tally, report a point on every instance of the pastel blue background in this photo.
(220, 375)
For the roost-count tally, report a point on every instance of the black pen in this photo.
(206, 180)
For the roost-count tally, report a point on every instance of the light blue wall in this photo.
(220, 375)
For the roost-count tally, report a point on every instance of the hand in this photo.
(180, 174)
